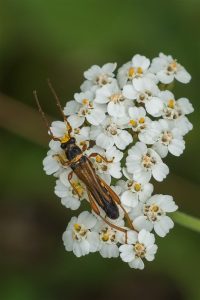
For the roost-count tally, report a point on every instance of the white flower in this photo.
(146, 92)
(134, 191)
(175, 111)
(111, 133)
(137, 67)
(51, 163)
(112, 95)
(70, 194)
(154, 215)
(142, 125)
(79, 236)
(106, 164)
(139, 246)
(98, 76)
(84, 108)
(109, 238)
(144, 162)
(170, 139)
(167, 68)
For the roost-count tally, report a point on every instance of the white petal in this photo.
(160, 171)
(71, 107)
(68, 240)
(104, 141)
(81, 248)
(176, 147)
(108, 251)
(146, 237)
(96, 117)
(71, 202)
(164, 77)
(137, 263)
(183, 76)
(123, 139)
(129, 92)
(116, 109)
(154, 106)
(161, 149)
(141, 222)
(163, 226)
(76, 121)
(129, 199)
(127, 254)
(93, 239)
(87, 219)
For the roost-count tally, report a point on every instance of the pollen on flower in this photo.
(171, 103)
(77, 188)
(172, 66)
(152, 212)
(85, 101)
(99, 159)
(107, 235)
(137, 187)
(131, 72)
(147, 161)
(139, 250)
(77, 227)
(117, 97)
(166, 138)
(141, 120)
(133, 123)
(139, 70)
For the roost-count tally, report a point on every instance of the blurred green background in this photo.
(61, 39)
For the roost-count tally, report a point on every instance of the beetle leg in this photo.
(65, 163)
(103, 158)
(72, 185)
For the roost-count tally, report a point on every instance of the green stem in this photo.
(186, 221)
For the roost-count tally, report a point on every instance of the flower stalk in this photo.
(186, 220)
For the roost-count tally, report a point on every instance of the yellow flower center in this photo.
(133, 123)
(154, 208)
(77, 130)
(137, 187)
(139, 249)
(171, 103)
(173, 65)
(99, 159)
(139, 70)
(117, 97)
(85, 101)
(131, 72)
(77, 227)
(141, 120)
(105, 237)
(147, 161)
(78, 188)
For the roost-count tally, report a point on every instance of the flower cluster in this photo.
(125, 122)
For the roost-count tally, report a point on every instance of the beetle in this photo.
(100, 194)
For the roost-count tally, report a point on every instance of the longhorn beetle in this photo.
(99, 193)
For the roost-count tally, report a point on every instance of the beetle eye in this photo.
(63, 145)
(72, 141)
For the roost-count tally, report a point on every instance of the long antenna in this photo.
(59, 104)
(43, 115)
